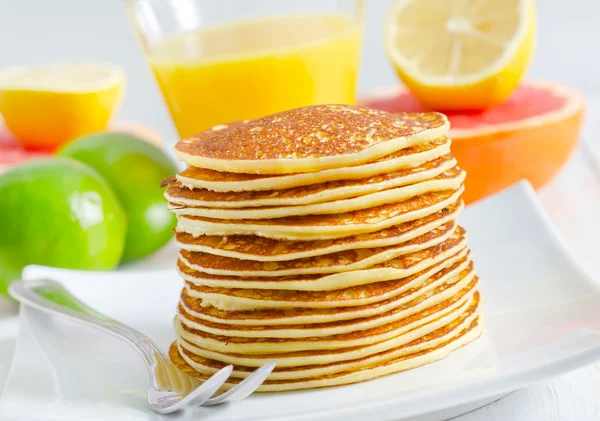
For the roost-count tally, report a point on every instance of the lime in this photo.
(134, 169)
(58, 212)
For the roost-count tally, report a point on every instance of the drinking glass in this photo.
(226, 60)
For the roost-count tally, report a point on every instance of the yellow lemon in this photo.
(457, 54)
(47, 106)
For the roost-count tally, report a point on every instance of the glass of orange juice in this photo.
(218, 61)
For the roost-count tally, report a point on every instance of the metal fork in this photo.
(170, 388)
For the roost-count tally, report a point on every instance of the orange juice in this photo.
(250, 69)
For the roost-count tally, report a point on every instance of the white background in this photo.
(37, 31)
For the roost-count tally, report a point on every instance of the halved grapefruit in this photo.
(12, 152)
(530, 136)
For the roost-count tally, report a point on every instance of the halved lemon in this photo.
(460, 54)
(47, 106)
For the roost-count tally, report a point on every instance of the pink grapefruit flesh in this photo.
(530, 136)
(12, 152)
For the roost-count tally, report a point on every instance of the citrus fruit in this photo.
(530, 136)
(12, 152)
(456, 55)
(58, 212)
(46, 106)
(134, 169)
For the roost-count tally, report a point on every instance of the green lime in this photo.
(58, 212)
(134, 169)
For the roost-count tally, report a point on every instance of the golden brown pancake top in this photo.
(439, 308)
(308, 326)
(212, 175)
(342, 258)
(177, 193)
(307, 132)
(175, 356)
(362, 216)
(438, 333)
(260, 246)
(400, 262)
(368, 290)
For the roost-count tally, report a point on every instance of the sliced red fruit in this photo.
(12, 152)
(530, 136)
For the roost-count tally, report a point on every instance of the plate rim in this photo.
(12, 322)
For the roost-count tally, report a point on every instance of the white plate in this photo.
(541, 317)
(8, 337)
(9, 323)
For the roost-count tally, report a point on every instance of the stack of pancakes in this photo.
(325, 238)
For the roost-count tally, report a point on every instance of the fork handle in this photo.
(51, 297)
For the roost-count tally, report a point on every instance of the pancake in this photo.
(397, 268)
(202, 178)
(346, 304)
(308, 139)
(324, 227)
(414, 327)
(208, 367)
(293, 365)
(248, 247)
(338, 347)
(450, 179)
(410, 358)
(177, 194)
(290, 362)
(330, 263)
(230, 299)
(324, 238)
(426, 300)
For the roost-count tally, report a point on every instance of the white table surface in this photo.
(573, 201)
